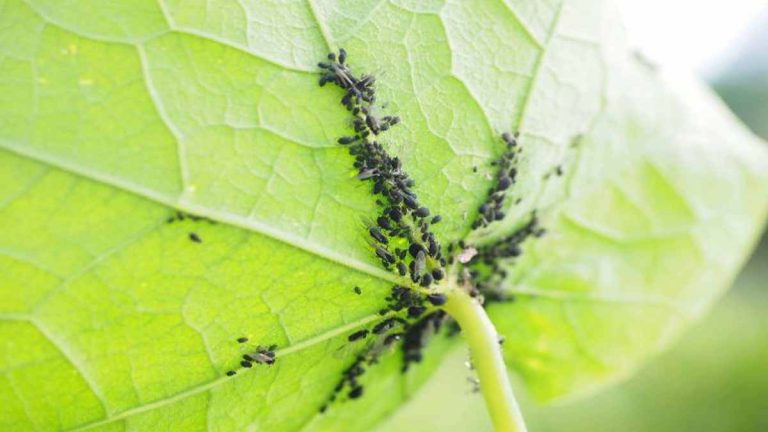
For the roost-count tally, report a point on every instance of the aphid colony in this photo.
(258, 355)
(486, 272)
(392, 329)
(492, 209)
(401, 235)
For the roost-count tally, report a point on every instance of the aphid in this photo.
(504, 183)
(433, 248)
(358, 291)
(437, 299)
(426, 280)
(415, 248)
(509, 139)
(360, 334)
(438, 273)
(416, 311)
(242, 339)
(384, 223)
(436, 219)
(265, 355)
(383, 326)
(376, 234)
(356, 392)
(385, 256)
(195, 238)
(368, 173)
(402, 269)
(246, 364)
(410, 202)
(345, 140)
(342, 55)
(395, 214)
(422, 212)
(419, 265)
(231, 373)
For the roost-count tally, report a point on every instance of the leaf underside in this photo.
(113, 115)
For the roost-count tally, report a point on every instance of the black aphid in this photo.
(246, 364)
(356, 392)
(378, 236)
(401, 269)
(384, 326)
(231, 373)
(346, 140)
(360, 334)
(242, 339)
(358, 291)
(437, 299)
(436, 219)
(492, 209)
(422, 212)
(195, 238)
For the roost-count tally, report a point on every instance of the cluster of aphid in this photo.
(402, 237)
(401, 233)
(391, 330)
(492, 209)
(258, 355)
(486, 271)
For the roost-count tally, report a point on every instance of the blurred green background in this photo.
(714, 380)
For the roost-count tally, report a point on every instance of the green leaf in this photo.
(114, 114)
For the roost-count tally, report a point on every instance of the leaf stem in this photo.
(487, 360)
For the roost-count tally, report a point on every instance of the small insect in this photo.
(376, 234)
(436, 219)
(384, 223)
(231, 373)
(422, 212)
(360, 334)
(504, 183)
(242, 339)
(246, 364)
(416, 311)
(437, 299)
(264, 355)
(401, 269)
(438, 273)
(356, 392)
(195, 238)
(426, 280)
(385, 256)
(358, 291)
(383, 326)
(419, 263)
(346, 140)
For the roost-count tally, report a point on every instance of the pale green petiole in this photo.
(487, 360)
